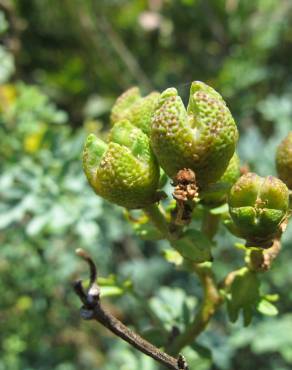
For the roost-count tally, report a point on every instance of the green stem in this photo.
(157, 218)
(211, 302)
(212, 298)
(210, 224)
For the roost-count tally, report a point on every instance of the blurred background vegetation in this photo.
(62, 64)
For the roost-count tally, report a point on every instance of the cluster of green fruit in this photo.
(155, 136)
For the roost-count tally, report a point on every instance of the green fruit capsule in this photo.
(125, 170)
(135, 108)
(202, 137)
(258, 206)
(284, 160)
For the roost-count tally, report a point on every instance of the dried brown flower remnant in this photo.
(185, 191)
(185, 185)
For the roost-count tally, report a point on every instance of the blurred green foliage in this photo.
(82, 54)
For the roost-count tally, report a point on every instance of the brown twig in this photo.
(93, 310)
(228, 280)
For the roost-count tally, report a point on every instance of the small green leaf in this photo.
(244, 295)
(267, 308)
(232, 311)
(172, 256)
(247, 315)
(240, 246)
(271, 297)
(194, 246)
(147, 231)
(111, 287)
(111, 291)
(219, 210)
